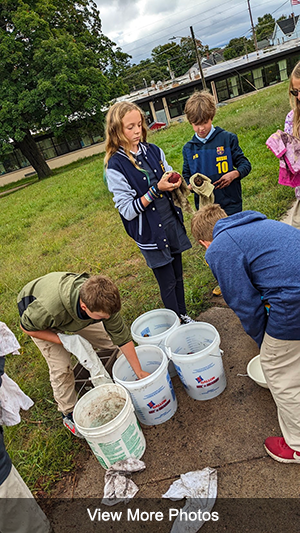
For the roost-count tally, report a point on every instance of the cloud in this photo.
(137, 26)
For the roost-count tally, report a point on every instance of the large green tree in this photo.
(56, 67)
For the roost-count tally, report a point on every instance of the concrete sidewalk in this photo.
(225, 433)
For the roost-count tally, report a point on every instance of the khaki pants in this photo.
(296, 215)
(19, 512)
(280, 361)
(60, 364)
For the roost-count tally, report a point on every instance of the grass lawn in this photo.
(68, 223)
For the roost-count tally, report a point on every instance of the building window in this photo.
(147, 112)
(176, 102)
(222, 90)
(234, 86)
(258, 78)
(247, 82)
(272, 74)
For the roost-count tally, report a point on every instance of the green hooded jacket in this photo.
(50, 302)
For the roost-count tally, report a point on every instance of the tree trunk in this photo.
(31, 151)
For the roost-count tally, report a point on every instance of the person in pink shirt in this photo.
(292, 126)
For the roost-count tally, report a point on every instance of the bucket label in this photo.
(113, 451)
(202, 383)
(146, 332)
(154, 408)
(132, 440)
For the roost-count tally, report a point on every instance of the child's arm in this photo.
(132, 358)
(240, 162)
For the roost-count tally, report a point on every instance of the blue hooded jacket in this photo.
(257, 261)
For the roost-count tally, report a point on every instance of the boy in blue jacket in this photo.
(215, 153)
(262, 256)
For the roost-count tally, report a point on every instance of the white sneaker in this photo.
(186, 319)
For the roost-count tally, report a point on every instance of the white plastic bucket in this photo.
(153, 327)
(119, 438)
(194, 349)
(153, 397)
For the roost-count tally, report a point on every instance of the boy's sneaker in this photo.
(186, 319)
(69, 423)
(278, 449)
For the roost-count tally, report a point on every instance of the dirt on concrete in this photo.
(226, 433)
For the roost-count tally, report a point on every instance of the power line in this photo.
(203, 27)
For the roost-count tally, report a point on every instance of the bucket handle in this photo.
(217, 354)
(169, 352)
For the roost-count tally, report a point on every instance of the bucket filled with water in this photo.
(105, 417)
(195, 351)
(153, 397)
(153, 327)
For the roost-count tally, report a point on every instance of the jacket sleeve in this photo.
(240, 161)
(231, 269)
(117, 329)
(186, 169)
(124, 196)
(36, 318)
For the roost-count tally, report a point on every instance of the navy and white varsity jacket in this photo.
(128, 184)
(220, 154)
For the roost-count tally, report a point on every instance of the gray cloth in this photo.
(118, 488)
(205, 191)
(200, 489)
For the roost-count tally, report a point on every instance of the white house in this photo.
(286, 29)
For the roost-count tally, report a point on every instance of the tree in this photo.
(138, 76)
(180, 56)
(238, 47)
(264, 27)
(56, 67)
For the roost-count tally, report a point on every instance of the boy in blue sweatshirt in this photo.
(262, 256)
(215, 153)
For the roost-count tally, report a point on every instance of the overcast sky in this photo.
(137, 26)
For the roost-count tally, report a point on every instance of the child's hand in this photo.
(165, 185)
(226, 179)
(142, 374)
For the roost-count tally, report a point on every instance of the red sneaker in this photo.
(278, 449)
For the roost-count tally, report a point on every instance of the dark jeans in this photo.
(170, 282)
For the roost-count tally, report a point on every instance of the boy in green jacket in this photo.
(63, 302)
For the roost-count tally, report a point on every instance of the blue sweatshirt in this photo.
(219, 155)
(257, 261)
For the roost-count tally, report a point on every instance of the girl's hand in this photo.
(165, 185)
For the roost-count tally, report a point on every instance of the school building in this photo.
(164, 102)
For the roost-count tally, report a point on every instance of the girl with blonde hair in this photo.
(137, 175)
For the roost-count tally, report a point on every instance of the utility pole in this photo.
(170, 71)
(253, 29)
(198, 59)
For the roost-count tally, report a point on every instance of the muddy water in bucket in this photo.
(105, 417)
(153, 327)
(195, 351)
(153, 397)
